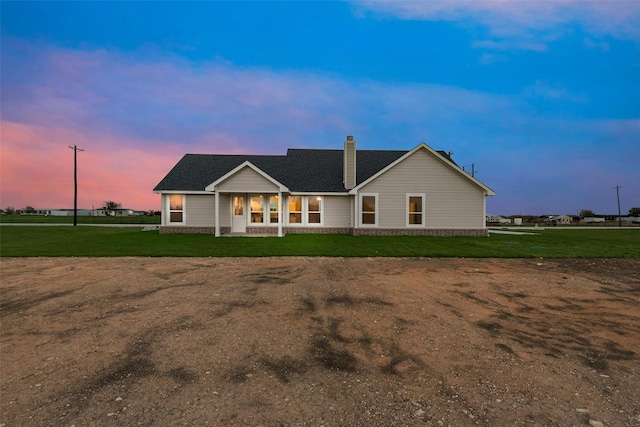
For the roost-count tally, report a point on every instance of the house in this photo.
(61, 212)
(592, 219)
(120, 212)
(561, 219)
(557, 219)
(349, 191)
(497, 219)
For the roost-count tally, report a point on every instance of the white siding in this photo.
(200, 210)
(451, 201)
(337, 211)
(247, 181)
(164, 209)
(225, 210)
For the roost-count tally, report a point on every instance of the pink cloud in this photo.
(37, 169)
(167, 99)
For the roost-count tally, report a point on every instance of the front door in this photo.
(238, 217)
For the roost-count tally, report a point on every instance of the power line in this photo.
(473, 169)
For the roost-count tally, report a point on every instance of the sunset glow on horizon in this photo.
(541, 97)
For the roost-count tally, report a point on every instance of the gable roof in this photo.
(249, 165)
(300, 170)
(439, 155)
(195, 171)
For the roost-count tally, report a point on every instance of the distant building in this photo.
(631, 219)
(86, 212)
(497, 219)
(59, 212)
(117, 212)
(561, 219)
(592, 219)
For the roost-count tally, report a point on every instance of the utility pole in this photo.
(75, 183)
(617, 187)
(473, 169)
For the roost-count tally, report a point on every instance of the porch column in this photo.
(355, 212)
(164, 211)
(216, 209)
(280, 213)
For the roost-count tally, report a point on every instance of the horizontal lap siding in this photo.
(225, 210)
(337, 211)
(451, 201)
(199, 210)
(463, 212)
(247, 181)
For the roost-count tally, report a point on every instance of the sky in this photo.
(541, 97)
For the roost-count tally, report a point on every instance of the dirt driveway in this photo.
(319, 342)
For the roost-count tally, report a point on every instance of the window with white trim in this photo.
(256, 202)
(176, 208)
(295, 209)
(314, 210)
(369, 209)
(415, 210)
(305, 210)
(274, 208)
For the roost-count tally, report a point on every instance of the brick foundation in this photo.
(273, 231)
(261, 231)
(445, 232)
(172, 229)
(317, 230)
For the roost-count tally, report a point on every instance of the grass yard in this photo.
(33, 241)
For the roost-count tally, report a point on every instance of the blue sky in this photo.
(542, 97)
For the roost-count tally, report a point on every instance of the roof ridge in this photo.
(235, 155)
(314, 149)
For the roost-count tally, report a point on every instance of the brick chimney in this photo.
(349, 171)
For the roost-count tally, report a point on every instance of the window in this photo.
(314, 206)
(415, 210)
(274, 208)
(369, 209)
(176, 213)
(257, 208)
(238, 205)
(295, 209)
(305, 210)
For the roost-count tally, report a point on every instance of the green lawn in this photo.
(18, 241)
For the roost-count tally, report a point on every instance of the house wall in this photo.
(247, 181)
(200, 216)
(225, 210)
(337, 211)
(200, 210)
(451, 201)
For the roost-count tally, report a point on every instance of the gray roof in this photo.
(300, 170)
